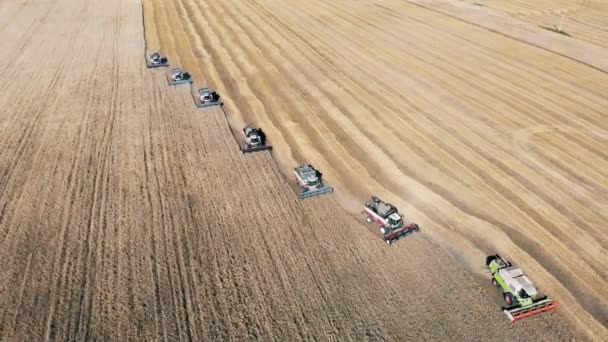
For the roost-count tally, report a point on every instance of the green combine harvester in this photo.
(518, 291)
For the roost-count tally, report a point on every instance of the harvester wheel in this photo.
(509, 298)
(368, 219)
(382, 230)
(494, 282)
(388, 241)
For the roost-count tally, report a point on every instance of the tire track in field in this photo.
(52, 85)
(150, 172)
(101, 190)
(26, 40)
(33, 125)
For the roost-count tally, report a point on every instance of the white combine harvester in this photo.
(155, 60)
(255, 140)
(310, 181)
(383, 214)
(207, 98)
(178, 76)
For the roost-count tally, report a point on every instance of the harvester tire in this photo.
(382, 230)
(368, 219)
(509, 298)
(494, 282)
(388, 241)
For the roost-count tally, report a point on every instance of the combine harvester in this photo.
(207, 98)
(517, 289)
(385, 215)
(177, 76)
(255, 140)
(310, 181)
(157, 61)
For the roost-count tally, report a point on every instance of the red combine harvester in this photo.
(389, 219)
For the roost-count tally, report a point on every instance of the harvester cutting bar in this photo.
(315, 192)
(541, 305)
(255, 149)
(200, 104)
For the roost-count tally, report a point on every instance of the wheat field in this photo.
(492, 137)
(126, 214)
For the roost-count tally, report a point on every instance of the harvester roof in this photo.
(517, 281)
(307, 174)
(306, 171)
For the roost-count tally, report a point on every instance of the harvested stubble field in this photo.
(127, 214)
(486, 129)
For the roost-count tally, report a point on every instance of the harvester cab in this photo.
(179, 77)
(156, 61)
(207, 98)
(518, 291)
(310, 181)
(255, 140)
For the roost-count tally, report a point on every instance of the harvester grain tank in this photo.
(310, 181)
(155, 60)
(208, 97)
(518, 291)
(178, 77)
(255, 140)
